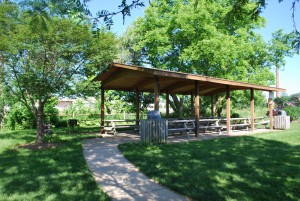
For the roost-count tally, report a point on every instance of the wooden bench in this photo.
(244, 123)
(111, 126)
(236, 123)
(261, 121)
(210, 124)
(181, 126)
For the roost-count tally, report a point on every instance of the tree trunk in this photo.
(39, 126)
(177, 105)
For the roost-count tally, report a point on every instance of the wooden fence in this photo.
(282, 122)
(154, 131)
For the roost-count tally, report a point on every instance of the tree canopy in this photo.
(201, 37)
(44, 53)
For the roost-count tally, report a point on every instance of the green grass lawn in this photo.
(50, 174)
(259, 167)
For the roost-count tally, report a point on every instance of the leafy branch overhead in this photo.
(124, 9)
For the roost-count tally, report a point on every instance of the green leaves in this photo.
(45, 53)
(201, 37)
(281, 45)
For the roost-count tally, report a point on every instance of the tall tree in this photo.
(203, 37)
(47, 57)
(281, 46)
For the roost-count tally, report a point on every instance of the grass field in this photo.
(50, 174)
(259, 167)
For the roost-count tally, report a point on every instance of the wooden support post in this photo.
(270, 105)
(197, 115)
(228, 109)
(212, 105)
(192, 106)
(102, 109)
(252, 109)
(137, 112)
(156, 93)
(167, 104)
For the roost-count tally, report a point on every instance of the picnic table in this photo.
(112, 125)
(243, 123)
(188, 126)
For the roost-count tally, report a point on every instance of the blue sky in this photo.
(278, 15)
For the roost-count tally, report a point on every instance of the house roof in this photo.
(131, 78)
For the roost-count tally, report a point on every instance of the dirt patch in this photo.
(38, 146)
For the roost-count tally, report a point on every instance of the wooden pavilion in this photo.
(138, 79)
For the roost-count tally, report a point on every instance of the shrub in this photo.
(235, 115)
(293, 112)
(20, 116)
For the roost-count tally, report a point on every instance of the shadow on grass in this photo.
(51, 174)
(240, 168)
(20, 135)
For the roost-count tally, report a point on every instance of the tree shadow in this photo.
(240, 168)
(52, 174)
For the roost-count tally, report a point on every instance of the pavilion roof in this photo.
(131, 78)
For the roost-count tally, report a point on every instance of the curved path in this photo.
(119, 178)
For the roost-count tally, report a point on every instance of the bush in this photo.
(293, 112)
(235, 115)
(20, 116)
(61, 123)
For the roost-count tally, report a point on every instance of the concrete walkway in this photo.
(119, 178)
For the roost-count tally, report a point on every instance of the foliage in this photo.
(283, 101)
(293, 112)
(86, 111)
(193, 37)
(58, 173)
(20, 117)
(258, 167)
(291, 104)
(200, 37)
(281, 47)
(50, 52)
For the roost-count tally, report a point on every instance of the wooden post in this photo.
(197, 115)
(137, 112)
(212, 106)
(252, 109)
(156, 93)
(278, 94)
(270, 105)
(167, 104)
(192, 106)
(102, 109)
(228, 109)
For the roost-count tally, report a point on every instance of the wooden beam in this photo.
(156, 93)
(115, 76)
(172, 74)
(197, 115)
(137, 112)
(252, 109)
(110, 79)
(102, 109)
(167, 104)
(176, 86)
(144, 83)
(228, 109)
